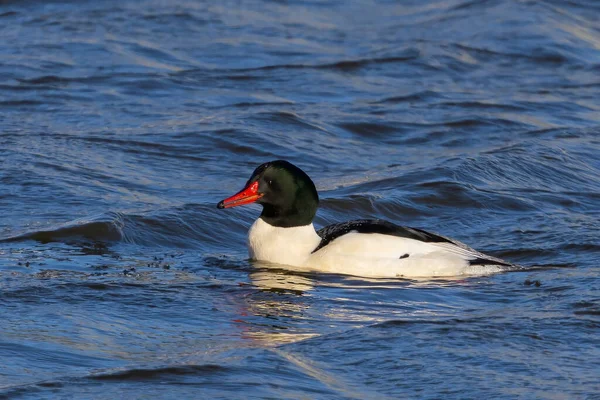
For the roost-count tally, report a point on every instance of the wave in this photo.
(161, 374)
(104, 229)
(188, 226)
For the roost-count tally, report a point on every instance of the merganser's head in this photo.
(288, 196)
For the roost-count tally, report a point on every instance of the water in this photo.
(124, 123)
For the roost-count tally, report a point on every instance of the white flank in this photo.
(368, 255)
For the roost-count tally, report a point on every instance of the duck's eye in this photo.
(270, 182)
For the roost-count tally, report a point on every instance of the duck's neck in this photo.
(296, 215)
(290, 246)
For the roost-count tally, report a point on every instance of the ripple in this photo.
(162, 374)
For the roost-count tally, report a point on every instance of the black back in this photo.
(332, 232)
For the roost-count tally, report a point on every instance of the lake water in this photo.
(123, 123)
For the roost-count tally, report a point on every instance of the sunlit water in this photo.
(124, 123)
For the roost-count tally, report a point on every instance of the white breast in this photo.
(291, 246)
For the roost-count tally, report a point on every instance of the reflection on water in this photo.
(276, 280)
(281, 296)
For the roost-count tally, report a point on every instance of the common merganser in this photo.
(284, 234)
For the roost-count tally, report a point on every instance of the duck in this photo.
(284, 235)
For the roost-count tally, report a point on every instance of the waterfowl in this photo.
(284, 234)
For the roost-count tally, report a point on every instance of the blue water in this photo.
(123, 123)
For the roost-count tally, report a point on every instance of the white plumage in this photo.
(362, 254)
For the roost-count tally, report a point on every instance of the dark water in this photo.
(122, 123)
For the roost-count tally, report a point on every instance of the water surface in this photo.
(122, 124)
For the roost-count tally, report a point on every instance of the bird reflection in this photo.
(271, 277)
(283, 307)
(278, 312)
